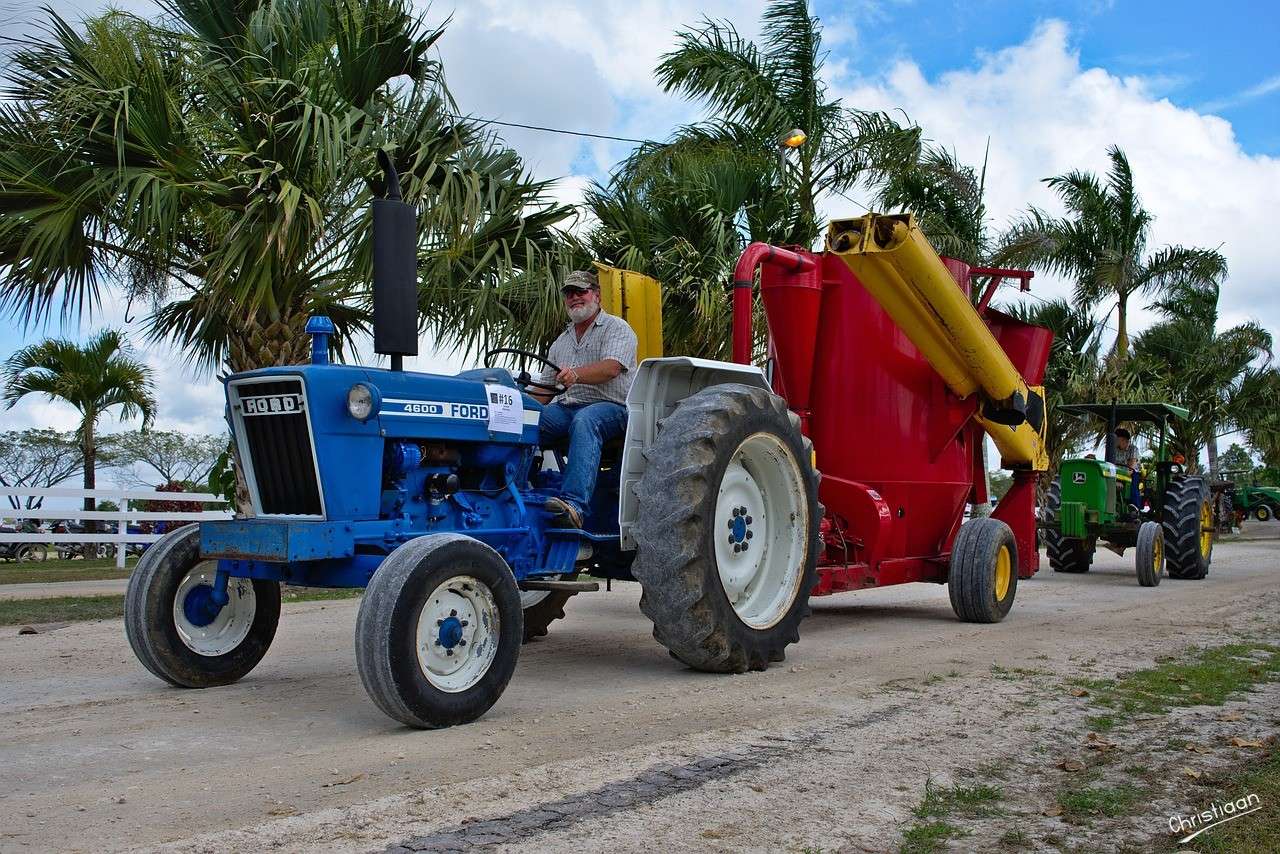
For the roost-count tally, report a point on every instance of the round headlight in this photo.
(360, 402)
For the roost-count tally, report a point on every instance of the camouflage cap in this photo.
(581, 280)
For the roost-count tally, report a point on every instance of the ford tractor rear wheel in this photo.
(1188, 528)
(439, 631)
(1150, 554)
(727, 529)
(983, 577)
(1066, 554)
(176, 629)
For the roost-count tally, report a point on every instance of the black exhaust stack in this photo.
(395, 271)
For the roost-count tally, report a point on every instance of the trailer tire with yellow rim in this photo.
(983, 579)
(1188, 529)
(1150, 554)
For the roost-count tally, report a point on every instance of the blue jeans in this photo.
(588, 426)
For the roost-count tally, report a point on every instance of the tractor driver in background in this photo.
(596, 354)
(1127, 455)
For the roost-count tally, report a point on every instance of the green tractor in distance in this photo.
(1260, 502)
(1169, 518)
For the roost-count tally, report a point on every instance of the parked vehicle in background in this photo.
(1251, 501)
(21, 552)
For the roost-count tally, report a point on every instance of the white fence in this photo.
(122, 517)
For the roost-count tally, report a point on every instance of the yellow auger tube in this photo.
(894, 261)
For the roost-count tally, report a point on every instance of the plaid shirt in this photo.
(607, 337)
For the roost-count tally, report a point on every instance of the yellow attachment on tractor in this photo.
(637, 299)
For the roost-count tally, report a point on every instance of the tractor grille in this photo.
(272, 418)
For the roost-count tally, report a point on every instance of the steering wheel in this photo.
(524, 379)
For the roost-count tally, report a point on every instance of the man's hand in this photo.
(568, 376)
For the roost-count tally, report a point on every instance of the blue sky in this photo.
(1192, 95)
(1217, 57)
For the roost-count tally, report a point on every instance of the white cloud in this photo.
(1047, 114)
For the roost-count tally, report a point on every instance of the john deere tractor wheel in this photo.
(984, 571)
(439, 631)
(177, 631)
(1066, 554)
(543, 607)
(1188, 528)
(727, 530)
(1150, 554)
(1262, 513)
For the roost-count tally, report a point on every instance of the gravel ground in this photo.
(604, 742)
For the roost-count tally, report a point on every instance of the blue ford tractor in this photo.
(428, 492)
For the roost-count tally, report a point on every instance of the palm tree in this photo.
(759, 92)
(1211, 373)
(93, 378)
(219, 161)
(1102, 244)
(949, 200)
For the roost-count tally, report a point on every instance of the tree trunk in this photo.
(90, 475)
(265, 343)
(1122, 327)
(1211, 446)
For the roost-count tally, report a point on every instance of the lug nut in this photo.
(742, 511)
(448, 652)
(744, 547)
(750, 535)
(736, 548)
(748, 520)
(453, 613)
(730, 522)
(464, 624)
(461, 642)
(439, 622)
(735, 514)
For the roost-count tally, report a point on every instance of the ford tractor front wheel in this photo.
(177, 629)
(439, 631)
(727, 530)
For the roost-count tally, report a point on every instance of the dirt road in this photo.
(601, 740)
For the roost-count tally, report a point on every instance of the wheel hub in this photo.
(761, 548)
(198, 606)
(450, 632)
(204, 627)
(458, 632)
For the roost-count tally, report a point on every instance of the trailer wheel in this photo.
(439, 631)
(1066, 554)
(1188, 529)
(984, 571)
(1150, 554)
(1262, 513)
(544, 607)
(178, 634)
(727, 530)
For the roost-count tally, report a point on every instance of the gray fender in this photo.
(659, 385)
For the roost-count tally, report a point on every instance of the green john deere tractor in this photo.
(1168, 517)
(1250, 500)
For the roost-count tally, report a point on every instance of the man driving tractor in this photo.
(1126, 455)
(596, 354)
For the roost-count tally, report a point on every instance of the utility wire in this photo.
(544, 129)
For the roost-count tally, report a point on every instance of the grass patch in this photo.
(1014, 840)
(74, 609)
(41, 571)
(1111, 801)
(927, 837)
(60, 609)
(968, 801)
(1101, 723)
(1205, 677)
(1258, 831)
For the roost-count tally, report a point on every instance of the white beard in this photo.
(582, 313)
